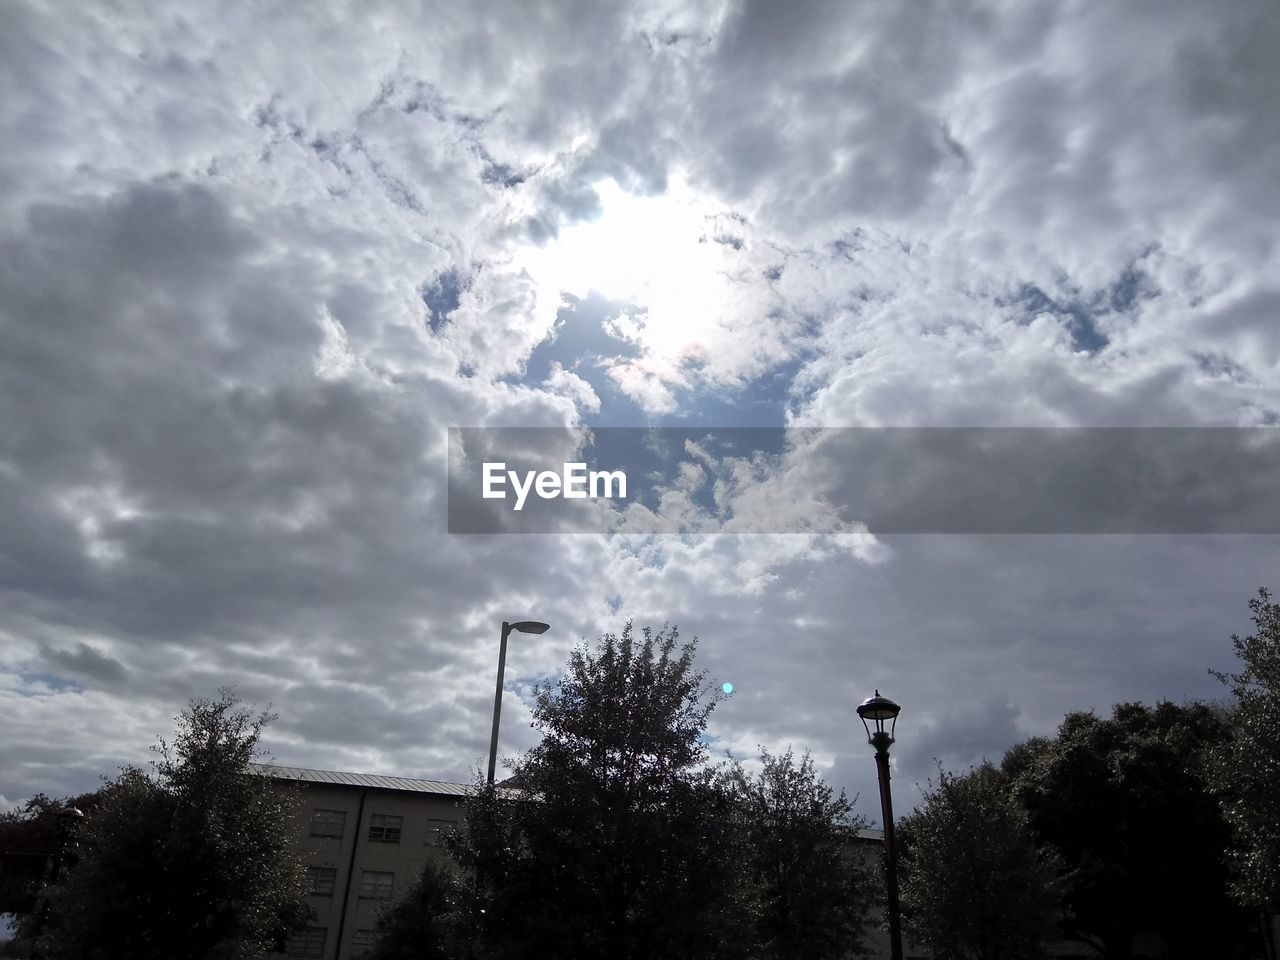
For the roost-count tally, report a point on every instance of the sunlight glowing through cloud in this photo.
(660, 253)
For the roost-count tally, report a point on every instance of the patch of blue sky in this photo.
(526, 683)
(583, 344)
(1079, 320)
(39, 682)
(581, 337)
(1221, 366)
(653, 458)
(1129, 290)
(723, 421)
(442, 298)
(762, 402)
(1083, 316)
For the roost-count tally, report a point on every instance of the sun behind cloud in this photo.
(668, 254)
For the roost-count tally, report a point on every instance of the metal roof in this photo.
(367, 780)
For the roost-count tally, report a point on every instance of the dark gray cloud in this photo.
(192, 496)
(89, 664)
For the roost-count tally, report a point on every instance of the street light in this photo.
(880, 710)
(523, 626)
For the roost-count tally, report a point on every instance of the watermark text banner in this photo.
(704, 480)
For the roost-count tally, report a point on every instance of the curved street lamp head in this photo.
(521, 626)
(879, 710)
(531, 626)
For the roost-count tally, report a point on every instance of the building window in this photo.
(384, 828)
(321, 880)
(362, 942)
(328, 823)
(306, 943)
(436, 830)
(377, 884)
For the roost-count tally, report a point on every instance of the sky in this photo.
(256, 260)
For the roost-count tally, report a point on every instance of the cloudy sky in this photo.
(255, 260)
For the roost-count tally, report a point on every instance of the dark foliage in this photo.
(30, 842)
(1245, 770)
(425, 924)
(34, 828)
(975, 885)
(619, 845)
(192, 863)
(1125, 802)
(809, 884)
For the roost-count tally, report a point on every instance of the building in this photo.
(364, 841)
(365, 838)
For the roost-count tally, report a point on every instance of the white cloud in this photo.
(225, 398)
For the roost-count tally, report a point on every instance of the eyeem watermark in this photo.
(885, 480)
(574, 482)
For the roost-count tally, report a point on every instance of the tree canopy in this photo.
(1245, 770)
(810, 888)
(616, 838)
(30, 839)
(34, 827)
(193, 862)
(424, 924)
(975, 885)
(619, 846)
(1125, 802)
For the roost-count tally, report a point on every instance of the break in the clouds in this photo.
(254, 264)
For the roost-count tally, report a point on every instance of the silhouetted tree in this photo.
(425, 924)
(193, 863)
(975, 885)
(619, 845)
(34, 827)
(1125, 802)
(1245, 770)
(30, 839)
(810, 889)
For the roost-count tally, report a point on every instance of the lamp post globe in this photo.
(880, 711)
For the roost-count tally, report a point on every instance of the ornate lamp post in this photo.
(523, 626)
(881, 710)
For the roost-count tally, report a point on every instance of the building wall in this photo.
(349, 912)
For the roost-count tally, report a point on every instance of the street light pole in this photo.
(879, 709)
(522, 626)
